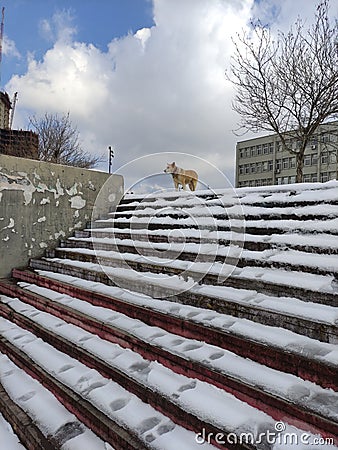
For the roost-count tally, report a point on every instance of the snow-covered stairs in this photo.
(207, 311)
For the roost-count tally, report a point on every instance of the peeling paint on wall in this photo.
(77, 202)
(17, 183)
(41, 203)
(10, 225)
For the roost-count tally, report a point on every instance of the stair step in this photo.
(72, 381)
(268, 280)
(228, 301)
(30, 435)
(271, 403)
(212, 310)
(268, 256)
(317, 243)
(84, 411)
(261, 343)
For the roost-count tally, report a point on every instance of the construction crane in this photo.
(1, 36)
(15, 98)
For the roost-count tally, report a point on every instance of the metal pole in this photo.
(111, 156)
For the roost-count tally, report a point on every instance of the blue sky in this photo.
(145, 76)
(96, 22)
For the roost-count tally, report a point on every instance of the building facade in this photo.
(5, 107)
(262, 161)
(22, 143)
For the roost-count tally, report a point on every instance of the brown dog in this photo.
(182, 177)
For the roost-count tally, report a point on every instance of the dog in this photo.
(182, 177)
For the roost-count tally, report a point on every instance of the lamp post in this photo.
(111, 156)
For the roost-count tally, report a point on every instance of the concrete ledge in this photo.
(43, 202)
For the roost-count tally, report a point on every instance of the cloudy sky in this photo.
(146, 77)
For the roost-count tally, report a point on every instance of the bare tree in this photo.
(59, 142)
(288, 85)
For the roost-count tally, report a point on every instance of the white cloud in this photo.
(9, 48)
(160, 90)
(59, 27)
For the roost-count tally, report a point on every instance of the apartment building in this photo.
(262, 161)
(15, 142)
(19, 143)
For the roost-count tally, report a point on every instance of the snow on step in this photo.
(53, 418)
(323, 241)
(8, 438)
(321, 401)
(222, 409)
(230, 211)
(315, 192)
(106, 395)
(278, 337)
(143, 238)
(327, 263)
(297, 279)
(287, 225)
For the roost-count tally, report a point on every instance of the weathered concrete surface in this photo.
(42, 202)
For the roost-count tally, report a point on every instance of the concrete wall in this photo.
(42, 202)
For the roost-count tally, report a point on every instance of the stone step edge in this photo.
(158, 401)
(316, 329)
(248, 228)
(275, 357)
(248, 243)
(237, 281)
(127, 206)
(137, 248)
(271, 404)
(86, 413)
(24, 426)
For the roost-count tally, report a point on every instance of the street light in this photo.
(111, 156)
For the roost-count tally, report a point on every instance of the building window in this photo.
(307, 160)
(265, 166)
(241, 170)
(293, 179)
(285, 180)
(314, 178)
(285, 163)
(241, 153)
(246, 168)
(333, 157)
(314, 159)
(313, 143)
(292, 162)
(307, 178)
(324, 177)
(253, 151)
(332, 175)
(270, 145)
(259, 149)
(323, 158)
(253, 168)
(247, 152)
(265, 149)
(259, 167)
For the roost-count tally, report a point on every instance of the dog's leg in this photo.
(192, 185)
